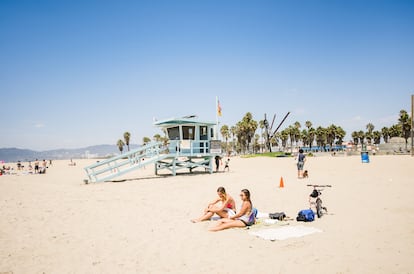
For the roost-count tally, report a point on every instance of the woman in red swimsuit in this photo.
(224, 206)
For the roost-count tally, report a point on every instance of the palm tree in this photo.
(312, 134)
(330, 135)
(308, 124)
(355, 138)
(246, 129)
(385, 134)
(340, 135)
(370, 127)
(127, 136)
(146, 140)
(120, 145)
(395, 131)
(320, 137)
(305, 137)
(296, 132)
(256, 145)
(284, 136)
(224, 130)
(291, 131)
(377, 137)
(405, 122)
(368, 135)
(157, 138)
(361, 137)
(274, 141)
(233, 131)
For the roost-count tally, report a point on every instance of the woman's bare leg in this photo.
(223, 214)
(227, 223)
(205, 217)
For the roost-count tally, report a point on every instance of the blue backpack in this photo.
(305, 215)
(252, 217)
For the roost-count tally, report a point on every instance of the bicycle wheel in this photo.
(319, 209)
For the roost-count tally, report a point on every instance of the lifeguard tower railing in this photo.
(178, 154)
(189, 147)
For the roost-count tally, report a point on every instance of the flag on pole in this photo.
(218, 108)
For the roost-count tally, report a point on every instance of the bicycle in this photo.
(316, 193)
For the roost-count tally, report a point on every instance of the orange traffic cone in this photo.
(281, 184)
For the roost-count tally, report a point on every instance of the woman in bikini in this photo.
(244, 218)
(224, 206)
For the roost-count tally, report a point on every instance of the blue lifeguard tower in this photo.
(191, 144)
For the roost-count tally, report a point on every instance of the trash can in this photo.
(364, 157)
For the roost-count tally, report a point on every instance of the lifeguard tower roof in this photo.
(182, 121)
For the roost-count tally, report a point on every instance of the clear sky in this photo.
(80, 73)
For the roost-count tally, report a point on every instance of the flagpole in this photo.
(217, 121)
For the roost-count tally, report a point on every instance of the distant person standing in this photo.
(217, 160)
(36, 166)
(44, 166)
(301, 163)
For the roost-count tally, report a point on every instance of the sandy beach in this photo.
(55, 223)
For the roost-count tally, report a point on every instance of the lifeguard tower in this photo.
(191, 144)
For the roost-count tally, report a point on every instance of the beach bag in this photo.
(252, 217)
(277, 216)
(305, 215)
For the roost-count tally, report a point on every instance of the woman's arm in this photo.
(213, 202)
(243, 210)
(210, 205)
(223, 205)
(221, 208)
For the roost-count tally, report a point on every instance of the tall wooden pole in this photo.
(217, 135)
(412, 125)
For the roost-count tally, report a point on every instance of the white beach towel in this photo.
(270, 221)
(285, 232)
(262, 215)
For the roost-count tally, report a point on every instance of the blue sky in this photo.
(80, 73)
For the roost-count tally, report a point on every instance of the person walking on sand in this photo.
(301, 163)
(224, 206)
(226, 165)
(242, 219)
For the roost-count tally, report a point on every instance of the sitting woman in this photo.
(224, 206)
(246, 216)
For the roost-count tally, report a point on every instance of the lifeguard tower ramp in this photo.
(113, 167)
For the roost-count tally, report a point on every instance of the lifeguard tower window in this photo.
(173, 133)
(188, 132)
(203, 133)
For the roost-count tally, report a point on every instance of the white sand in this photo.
(54, 223)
